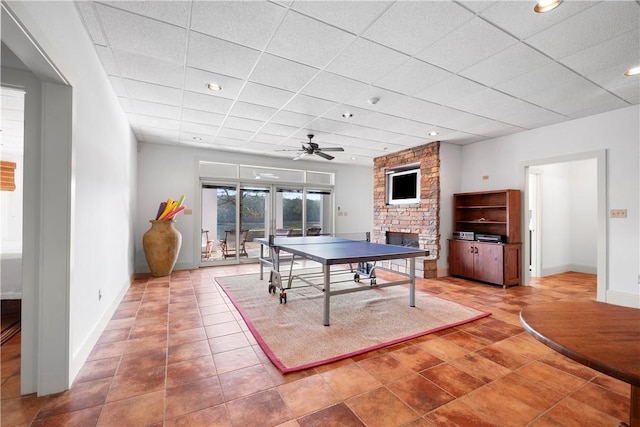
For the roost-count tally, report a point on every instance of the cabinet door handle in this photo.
(471, 251)
(476, 250)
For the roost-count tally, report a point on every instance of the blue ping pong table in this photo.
(330, 251)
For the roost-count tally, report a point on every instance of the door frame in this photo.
(602, 229)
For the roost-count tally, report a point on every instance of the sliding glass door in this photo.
(233, 215)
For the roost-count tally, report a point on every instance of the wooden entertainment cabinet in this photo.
(493, 213)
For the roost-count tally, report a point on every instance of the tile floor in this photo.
(176, 353)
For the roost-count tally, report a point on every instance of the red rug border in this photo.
(285, 370)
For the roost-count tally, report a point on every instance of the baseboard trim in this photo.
(623, 298)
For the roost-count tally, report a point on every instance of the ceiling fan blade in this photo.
(331, 149)
(326, 156)
(300, 155)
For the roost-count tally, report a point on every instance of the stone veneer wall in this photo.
(421, 218)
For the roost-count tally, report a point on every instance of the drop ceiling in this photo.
(469, 70)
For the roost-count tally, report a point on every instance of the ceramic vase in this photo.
(161, 244)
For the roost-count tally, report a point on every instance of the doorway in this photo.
(565, 202)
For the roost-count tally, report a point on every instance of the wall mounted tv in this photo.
(403, 185)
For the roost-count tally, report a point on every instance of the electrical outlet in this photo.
(618, 213)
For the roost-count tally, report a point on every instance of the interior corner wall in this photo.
(157, 182)
(103, 179)
(450, 160)
(617, 132)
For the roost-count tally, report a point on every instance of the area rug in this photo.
(294, 338)
(9, 332)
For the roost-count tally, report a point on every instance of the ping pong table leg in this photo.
(327, 291)
(412, 282)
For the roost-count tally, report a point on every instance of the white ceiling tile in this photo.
(325, 125)
(368, 133)
(519, 19)
(173, 12)
(308, 41)
(277, 129)
(411, 77)
(366, 61)
(309, 105)
(211, 103)
(247, 23)
(629, 91)
(595, 25)
(410, 26)
(157, 122)
(473, 42)
(199, 129)
(108, 61)
(506, 65)
(494, 129)
(282, 73)
(586, 100)
(220, 56)
(134, 33)
(364, 99)
(291, 119)
(416, 109)
(597, 108)
(202, 117)
(352, 16)
(149, 131)
(333, 87)
(488, 103)
(91, 22)
(477, 6)
(148, 69)
(450, 90)
(155, 109)
(530, 116)
(240, 123)
(253, 111)
(239, 134)
(152, 92)
(197, 81)
(611, 52)
(463, 121)
(255, 93)
(267, 138)
(411, 141)
(540, 79)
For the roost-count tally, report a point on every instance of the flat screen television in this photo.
(403, 186)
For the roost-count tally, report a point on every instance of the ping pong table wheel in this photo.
(283, 297)
(356, 278)
(272, 289)
(373, 281)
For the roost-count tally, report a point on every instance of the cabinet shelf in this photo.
(483, 207)
(481, 222)
(487, 212)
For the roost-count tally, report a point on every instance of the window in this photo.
(403, 185)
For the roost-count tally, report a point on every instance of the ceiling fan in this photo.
(313, 148)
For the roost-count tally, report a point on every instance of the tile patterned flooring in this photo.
(177, 353)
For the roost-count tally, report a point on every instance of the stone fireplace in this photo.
(414, 224)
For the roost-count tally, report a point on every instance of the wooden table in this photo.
(604, 337)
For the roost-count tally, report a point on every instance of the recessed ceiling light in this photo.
(347, 115)
(353, 158)
(632, 71)
(546, 5)
(433, 133)
(373, 101)
(214, 86)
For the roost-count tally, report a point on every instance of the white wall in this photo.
(584, 218)
(102, 179)
(168, 171)
(617, 132)
(450, 161)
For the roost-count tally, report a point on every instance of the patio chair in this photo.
(228, 244)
